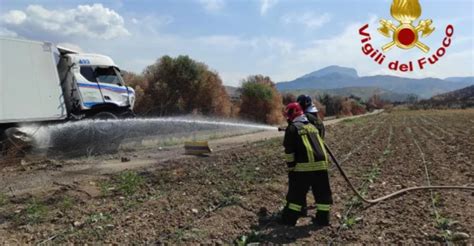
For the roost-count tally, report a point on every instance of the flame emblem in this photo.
(406, 35)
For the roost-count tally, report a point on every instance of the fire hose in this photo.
(394, 194)
(391, 195)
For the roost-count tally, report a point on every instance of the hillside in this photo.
(334, 77)
(460, 95)
(462, 98)
(363, 92)
(460, 79)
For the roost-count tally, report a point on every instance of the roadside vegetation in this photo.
(259, 95)
(181, 85)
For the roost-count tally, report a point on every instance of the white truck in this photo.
(44, 83)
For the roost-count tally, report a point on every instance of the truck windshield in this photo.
(109, 75)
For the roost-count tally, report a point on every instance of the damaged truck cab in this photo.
(93, 84)
(41, 83)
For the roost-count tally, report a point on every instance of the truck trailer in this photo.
(41, 83)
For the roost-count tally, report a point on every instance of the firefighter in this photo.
(307, 163)
(311, 113)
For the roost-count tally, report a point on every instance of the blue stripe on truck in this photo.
(105, 87)
(90, 104)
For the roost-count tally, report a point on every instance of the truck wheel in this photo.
(104, 116)
(107, 134)
(129, 114)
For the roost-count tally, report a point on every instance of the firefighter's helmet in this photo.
(305, 101)
(292, 111)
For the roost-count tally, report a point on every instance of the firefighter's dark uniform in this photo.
(307, 162)
(316, 121)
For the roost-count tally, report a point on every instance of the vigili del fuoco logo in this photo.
(405, 35)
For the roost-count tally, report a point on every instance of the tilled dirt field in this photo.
(234, 195)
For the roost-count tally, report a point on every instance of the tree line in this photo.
(181, 86)
(342, 106)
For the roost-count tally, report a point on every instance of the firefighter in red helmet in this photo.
(307, 163)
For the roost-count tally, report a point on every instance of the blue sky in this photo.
(283, 39)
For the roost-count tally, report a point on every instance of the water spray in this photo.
(105, 136)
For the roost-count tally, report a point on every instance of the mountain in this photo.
(333, 70)
(340, 77)
(363, 92)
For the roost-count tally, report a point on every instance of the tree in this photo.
(375, 102)
(332, 105)
(260, 101)
(212, 98)
(346, 107)
(182, 86)
(164, 97)
(357, 108)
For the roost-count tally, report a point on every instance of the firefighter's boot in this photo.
(322, 218)
(288, 217)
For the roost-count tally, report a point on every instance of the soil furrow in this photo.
(390, 219)
(446, 171)
(349, 218)
(234, 195)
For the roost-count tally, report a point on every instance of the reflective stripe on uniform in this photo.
(309, 148)
(290, 157)
(322, 146)
(311, 166)
(323, 207)
(294, 207)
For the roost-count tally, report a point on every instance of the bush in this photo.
(321, 109)
(375, 102)
(260, 101)
(333, 104)
(346, 107)
(182, 86)
(343, 106)
(35, 212)
(129, 182)
(357, 108)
